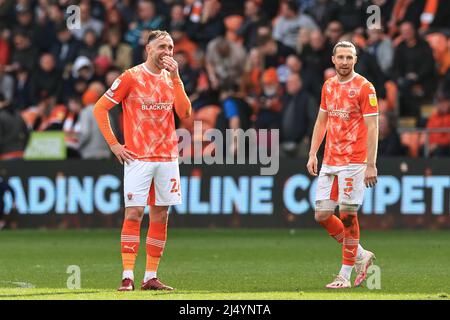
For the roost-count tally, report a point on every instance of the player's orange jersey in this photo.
(347, 103)
(147, 101)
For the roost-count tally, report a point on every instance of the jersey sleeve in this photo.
(323, 106)
(368, 100)
(119, 89)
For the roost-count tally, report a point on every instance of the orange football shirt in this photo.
(147, 101)
(347, 103)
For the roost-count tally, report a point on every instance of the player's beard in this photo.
(344, 72)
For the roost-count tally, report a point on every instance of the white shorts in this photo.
(151, 183)
(343, 184)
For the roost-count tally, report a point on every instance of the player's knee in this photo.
(159, 214)
(134, 213)
(320, 216)
(324, 208)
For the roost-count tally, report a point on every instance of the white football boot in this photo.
(361, 266)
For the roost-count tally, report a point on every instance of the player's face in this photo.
(159, 48)
(344, 60)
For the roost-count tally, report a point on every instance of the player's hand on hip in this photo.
(171, 65)
(370, 176)
(122, 153)
(312, 165)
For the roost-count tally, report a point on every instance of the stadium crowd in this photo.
(245, 64)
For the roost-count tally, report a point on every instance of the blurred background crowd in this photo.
(245, 64)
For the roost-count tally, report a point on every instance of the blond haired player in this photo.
(149, 92)
(349, 117)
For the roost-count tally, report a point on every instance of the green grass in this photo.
(222, 264)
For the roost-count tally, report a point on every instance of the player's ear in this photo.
(332, 59)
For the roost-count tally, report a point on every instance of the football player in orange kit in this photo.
(349, 117)
(148, 92)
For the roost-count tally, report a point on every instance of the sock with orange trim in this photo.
(156, 241)
(129, 242)
(350, 242)
(334, 227)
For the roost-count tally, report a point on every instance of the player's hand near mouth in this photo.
(171, 65)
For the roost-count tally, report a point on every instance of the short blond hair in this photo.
(343, 44)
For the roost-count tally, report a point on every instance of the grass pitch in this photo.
(222, 264)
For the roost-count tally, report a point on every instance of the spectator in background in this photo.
(114, 20)
(4, 187)
(177, 17)
(82, 74)
(23, 55)
(89, 45)
(253, 18)
(148, 19)
(101, 67)
(4, 46)
(188, 75)
(414, 70)
(25, 23)
(118, 52)
(13, 133)
(289, 22)
(334, 32)
(45, 32)
(139, 53)
(6, 87)
(92, 143)
(269, 102)
(303, 39)
(183, 43)
(352, 14)
(251, 79)
(316, 55)
(310, 81)
(209, 26)
(71, 127)
(368, 66)
(55, 14)
(66, 48)
(274, 52)
(6, 12)
(22, 90)
(46, 81)
(322, 12)
(439, 142)
(389, 144)
(235, 114)
(405, 11)
(299, 112)
(380, 46)
(87, 22)
(224, 61)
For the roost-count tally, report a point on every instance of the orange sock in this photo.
(156, 240)
(334, 227)
(351, 238)
(130, 243)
